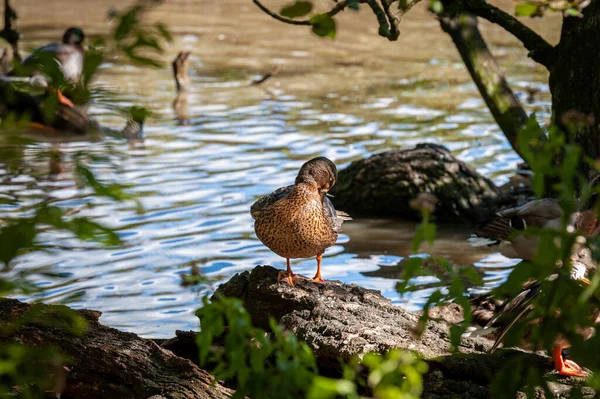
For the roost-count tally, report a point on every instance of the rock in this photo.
(104, 362)
(385, 183)
(339, 321)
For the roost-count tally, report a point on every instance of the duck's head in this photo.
(73, 36)
(320, 172)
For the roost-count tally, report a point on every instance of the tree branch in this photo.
(10, 33)
(539, 49)
(485, 72)
(388, 22)
(338, 7)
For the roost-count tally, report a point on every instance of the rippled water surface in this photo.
(343, 99)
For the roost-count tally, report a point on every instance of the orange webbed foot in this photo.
(567, 367)
(319, 280)
(62, 99)
(287, 277)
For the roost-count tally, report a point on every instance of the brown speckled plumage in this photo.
(299, 221)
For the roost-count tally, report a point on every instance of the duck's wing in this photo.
(503, 225)
(336, 218)
(513, 311)
(267, 200)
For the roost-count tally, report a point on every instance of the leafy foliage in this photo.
(323, 25)
(134, 38)
(396, 374)
(298, 9)
(276, 364)
(261, 365)
(538, 8)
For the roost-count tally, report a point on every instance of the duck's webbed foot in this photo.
(288, 275)
(566, 367)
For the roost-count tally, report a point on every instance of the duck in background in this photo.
(505, 229)
(69, 56)
(299, 221)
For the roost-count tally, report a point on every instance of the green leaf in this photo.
(298, 9)
(436, 6)
(15, 237)
(164, 32)
(128, 21)
(526, 9)
(573, 12)
(429, 233)
(323, 25)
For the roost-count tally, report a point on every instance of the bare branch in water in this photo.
(180, 71)
(267, 76)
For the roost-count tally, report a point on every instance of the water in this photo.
(343, 99)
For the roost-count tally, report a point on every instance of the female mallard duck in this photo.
(505, 227)
(299, 221)
(69, 55)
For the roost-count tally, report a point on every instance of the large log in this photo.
(340, 321)
(385, 183)
(107, 363)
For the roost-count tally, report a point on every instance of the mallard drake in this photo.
(510, 312)
(69, 55)
(504, 228)
(299, 221)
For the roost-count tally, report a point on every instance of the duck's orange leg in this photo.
(288, 275)
(317, 278)
(62, 99)
(566, 367)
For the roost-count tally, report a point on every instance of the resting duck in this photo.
(504, 228)
(299, 221)
(69, 55)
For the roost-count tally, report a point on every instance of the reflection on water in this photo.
(201, 167)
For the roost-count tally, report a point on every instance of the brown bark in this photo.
(487, 75)
(575, 79)
(107, 363)
(384, 185)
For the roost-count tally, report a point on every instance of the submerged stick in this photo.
(180, 71)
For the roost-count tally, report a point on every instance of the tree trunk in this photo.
(104, 362)
(487, 75)
(575, 79)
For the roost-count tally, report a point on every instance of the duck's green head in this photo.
(319, 171)
(73, 36)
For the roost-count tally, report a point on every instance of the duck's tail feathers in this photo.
(477, 241)
(473, 332)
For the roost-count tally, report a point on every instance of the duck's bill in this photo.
(586, 282)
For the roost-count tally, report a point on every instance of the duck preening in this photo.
(60, 62)
(506, 228)
(299, 221)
